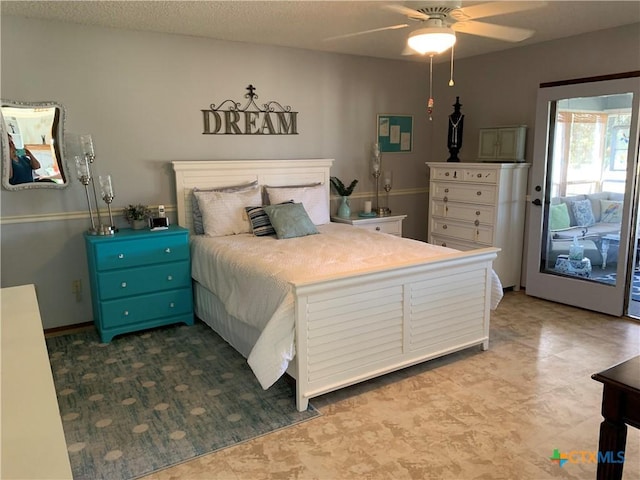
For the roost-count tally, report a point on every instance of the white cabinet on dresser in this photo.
(502, 143)
(477, 205)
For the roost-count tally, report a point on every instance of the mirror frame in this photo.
(58, 145)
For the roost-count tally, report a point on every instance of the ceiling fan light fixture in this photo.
(432, 40)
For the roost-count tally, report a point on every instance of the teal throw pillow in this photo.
(290, 220)
(559, 217)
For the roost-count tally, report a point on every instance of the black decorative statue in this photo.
(454, 134)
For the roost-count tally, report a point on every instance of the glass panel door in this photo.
(584, 181)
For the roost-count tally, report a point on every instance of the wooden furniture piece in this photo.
(33, 444)
(476, 205)
(391, 224)
(140, 279)
(437, 307)
(500, 144)
(620, 406)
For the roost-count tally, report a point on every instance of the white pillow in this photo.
(223, 213)
(314, 199)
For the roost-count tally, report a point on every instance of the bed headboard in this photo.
(221, 173)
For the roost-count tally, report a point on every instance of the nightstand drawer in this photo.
(132, 253)
(392, 228)
(140, 280)
(130, 311)
(486, 194)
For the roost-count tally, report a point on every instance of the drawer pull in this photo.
(172, 305)
(377, 229)
(479, 175)
(126, 313)
(446, 190)
(445, 199)
(121, 255)
(446, 174)
(169, 277)
(444, 227)
(479, 193)
(167, 250)
(123, 284)
(444, 244)
(476, 223)
(478, 212)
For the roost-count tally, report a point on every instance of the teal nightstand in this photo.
(140, 279)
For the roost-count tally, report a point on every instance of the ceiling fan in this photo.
(442, 19)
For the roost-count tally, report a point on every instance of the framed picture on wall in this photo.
(395, 133)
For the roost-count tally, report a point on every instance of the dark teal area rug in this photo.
(152, 399)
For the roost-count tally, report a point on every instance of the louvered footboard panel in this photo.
(447, 311)
(353, 331)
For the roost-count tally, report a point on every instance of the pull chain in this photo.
(451, 83)
(430, 102)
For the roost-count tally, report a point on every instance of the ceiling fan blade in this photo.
(406, 11)
(499, 32)
(491, 9)
(364, 32)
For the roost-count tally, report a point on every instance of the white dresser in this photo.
(477, 205)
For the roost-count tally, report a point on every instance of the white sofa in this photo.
(569, 218)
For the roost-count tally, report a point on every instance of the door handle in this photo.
(537, 202)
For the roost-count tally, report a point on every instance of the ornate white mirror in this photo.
(32, 145)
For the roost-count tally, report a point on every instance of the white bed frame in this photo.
(356, 327)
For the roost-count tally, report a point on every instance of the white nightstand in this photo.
(391, 224)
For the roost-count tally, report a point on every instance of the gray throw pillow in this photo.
(290, 220)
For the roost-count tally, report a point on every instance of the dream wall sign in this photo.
(230, 118)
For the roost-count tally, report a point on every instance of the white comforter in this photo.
(251, 276)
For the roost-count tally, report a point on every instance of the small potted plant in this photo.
(137, 216)
(344, 210)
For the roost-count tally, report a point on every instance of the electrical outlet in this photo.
(76, 287)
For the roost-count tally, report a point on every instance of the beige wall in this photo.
(140, 94)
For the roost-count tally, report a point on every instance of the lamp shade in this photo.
(432, 40)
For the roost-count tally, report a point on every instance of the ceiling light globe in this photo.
(432, 40)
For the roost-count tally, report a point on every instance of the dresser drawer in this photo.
(140, 280)
(480, 175)
(132, 253)
(465, 174)
(453, 243)
(463, 211)
(459, 192)
(131, 310)
(462, 231)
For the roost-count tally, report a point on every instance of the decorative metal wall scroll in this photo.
(229, 118)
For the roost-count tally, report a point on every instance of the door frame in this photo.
(590, 295)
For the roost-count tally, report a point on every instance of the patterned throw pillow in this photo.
(260, 223)
(611, 211)
(290, 220)
(583, 212)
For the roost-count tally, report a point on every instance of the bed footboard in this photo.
(350, 329)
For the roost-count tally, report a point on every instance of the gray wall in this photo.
(140, 94)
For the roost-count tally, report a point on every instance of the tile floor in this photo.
(497, 414)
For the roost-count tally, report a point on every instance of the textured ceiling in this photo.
(308, 24)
